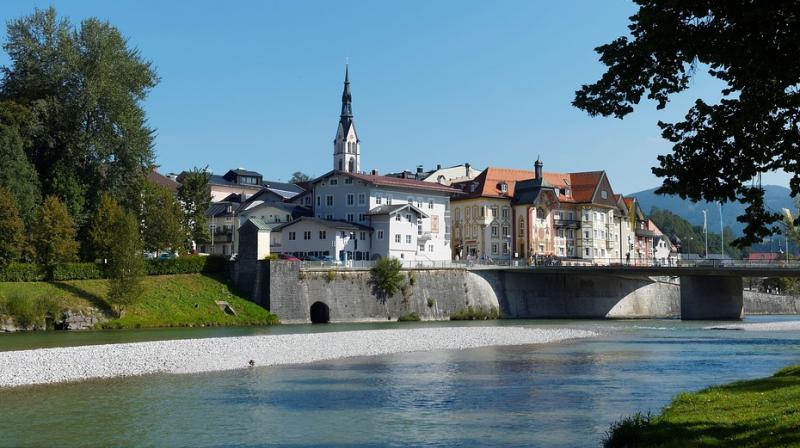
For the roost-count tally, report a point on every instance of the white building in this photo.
(379, 216)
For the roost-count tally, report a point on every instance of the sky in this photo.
(257, 84)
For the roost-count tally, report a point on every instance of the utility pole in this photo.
(721, 233)
(705, 230)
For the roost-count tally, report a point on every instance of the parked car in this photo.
(327, 259)
(310, 258)
(288, 257)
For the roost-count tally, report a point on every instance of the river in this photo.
(559, 395)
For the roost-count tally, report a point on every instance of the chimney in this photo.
(420, 169)
(537, 168)
(466, 168)
(374, 172)
(438, 166)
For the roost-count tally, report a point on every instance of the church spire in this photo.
(346, 147)
(347, 101)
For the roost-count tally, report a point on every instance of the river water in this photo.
(559, 395)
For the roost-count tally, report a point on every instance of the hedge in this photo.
(186, 265)
(28, 272)
(23, 272)
(76, 271)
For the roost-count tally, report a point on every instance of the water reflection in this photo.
(557, 395)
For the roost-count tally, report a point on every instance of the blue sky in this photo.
(257, 84)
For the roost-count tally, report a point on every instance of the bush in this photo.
(627, 432)
(76, 271)
(472, 313)
(186, 265)
(23, 272)
(431, 302)
(330, 275)
(410, 317)
(27, 311)
(386, 278)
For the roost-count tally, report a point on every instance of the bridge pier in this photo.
(711, 297)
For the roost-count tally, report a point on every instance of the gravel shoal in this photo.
(761, 326)
(55, 365)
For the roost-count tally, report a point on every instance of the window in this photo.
(539, 213)
(521, 228)
(397, 217)
(586, 215)
(362, 236)
(505, 249)
(408, 239)
(419, 202)
(329, 200)
(570, 216)
(333, 182)
(349, 217)
(430, 203)
(503, 187)
(494, 248)
(318, 201)
(329, 217)
(292, 236)
(586, 234)
(362, 217)
(422, 248)
(408, 218)
(348, 181)
(362, 199)
(419, 227)
(307, 235)
(380, 234)
(351, 199)
(468, 213)
(506, 232)
(483, 212)
(494, 231)
(587, 251)
(378, 199)
(458, 214)
(397, 238)
(604, 194)
(505, 212)
(323, 235)
(494, 212)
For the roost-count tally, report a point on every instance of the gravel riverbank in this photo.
(54, 365)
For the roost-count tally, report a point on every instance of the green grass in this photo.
(167, 301)
(757, 413)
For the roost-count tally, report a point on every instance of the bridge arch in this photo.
(320, 313)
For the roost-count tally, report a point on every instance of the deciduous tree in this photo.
(194, 193)
(299, 176)
(52, 234)
(11, 229)
(100, 235)
(126, 264)
(163, 222)
(718, 149)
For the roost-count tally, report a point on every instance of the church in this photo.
(366, 216)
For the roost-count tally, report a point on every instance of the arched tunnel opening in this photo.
(320, 313)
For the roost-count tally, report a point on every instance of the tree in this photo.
(84, 86)
(100, 235)
(53, 234)
(386, 278)
(126, 265)
(163, 222)
(194, 192)
(299, 176)
(11, 229)
(718, 149)
(17, 174)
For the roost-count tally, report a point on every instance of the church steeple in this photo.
(346, 146)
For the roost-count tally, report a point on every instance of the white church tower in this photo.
(346, 146)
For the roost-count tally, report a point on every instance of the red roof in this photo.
(763, 256)
(581, 185)
(156, 178)
(389, 181)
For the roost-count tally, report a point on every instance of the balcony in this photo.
(568, 223)
(424, 236)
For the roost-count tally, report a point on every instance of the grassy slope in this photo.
(168, 300)
(757, 413)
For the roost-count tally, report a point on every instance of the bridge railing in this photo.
(520, 263)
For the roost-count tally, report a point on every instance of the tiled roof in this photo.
(581, 185)
(386, 181)
(156, 178)
(260, 224)
(489, 181)
(333, 224)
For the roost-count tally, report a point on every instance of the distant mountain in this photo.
(775, 197)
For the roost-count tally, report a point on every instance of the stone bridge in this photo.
(713, 292)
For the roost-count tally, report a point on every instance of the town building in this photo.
(359, 216)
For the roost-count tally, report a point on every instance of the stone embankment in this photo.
(54, 365)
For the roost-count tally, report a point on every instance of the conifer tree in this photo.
(52, 234)
(11, 229)
(126, 264)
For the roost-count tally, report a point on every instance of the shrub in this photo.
(271, 257)
(31, 311)
(412, 278)
(386, 278)
(330, 275)
(186, 265)
(410, 317)
(76, 271)
(627, 432)
(23, 272)
(472, 313)
(431, 302)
